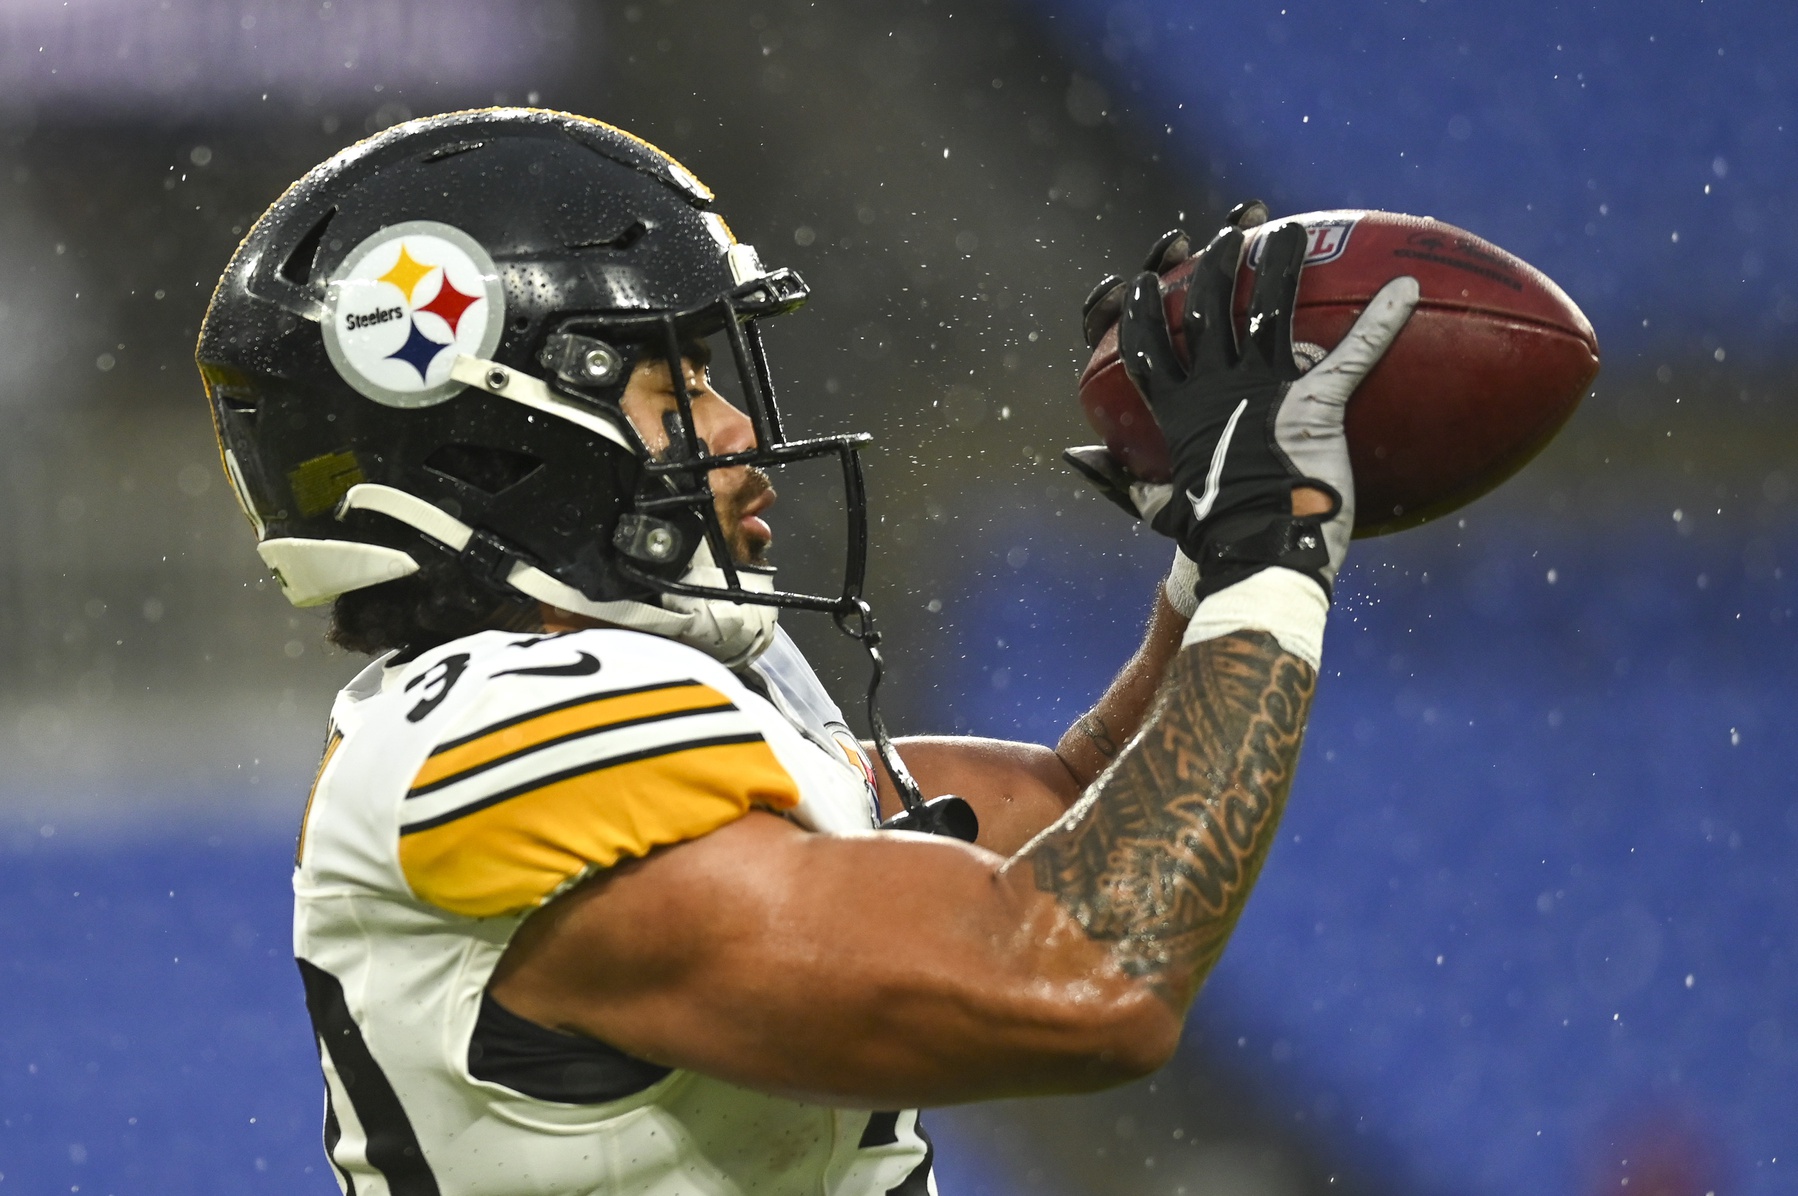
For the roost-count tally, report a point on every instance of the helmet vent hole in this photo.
(633, 232)
(297, 269)
(451, 150)
(492, 471)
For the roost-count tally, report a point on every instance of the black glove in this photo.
(1105, 301)
(1246, 427)
(1100, 310)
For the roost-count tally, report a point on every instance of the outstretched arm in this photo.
(1158, 858)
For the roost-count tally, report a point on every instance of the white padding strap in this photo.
(1285, 604)
(409, 509)
(1182, 580)
(312, 572)
(534, 393)
(732, 632)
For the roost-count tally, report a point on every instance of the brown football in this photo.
(1491, 364)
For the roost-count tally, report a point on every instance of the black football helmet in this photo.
(421, 347)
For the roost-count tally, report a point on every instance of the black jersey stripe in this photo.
(528, 715)
(333, 1133)
(882, 1130)
(393, 1147)
(640, 720)
(567, 774)
(571, 1069)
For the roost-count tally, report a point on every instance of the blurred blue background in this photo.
(1532, 921)
(1647, 149)
(1534, 907)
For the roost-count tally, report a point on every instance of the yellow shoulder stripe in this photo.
(553, 724)
(509, 857)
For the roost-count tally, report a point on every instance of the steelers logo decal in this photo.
(405, 304)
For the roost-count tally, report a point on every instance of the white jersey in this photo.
(462, 790)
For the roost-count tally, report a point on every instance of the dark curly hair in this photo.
(439, 603)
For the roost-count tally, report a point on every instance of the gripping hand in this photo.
(1103, 304)
(1245, 425)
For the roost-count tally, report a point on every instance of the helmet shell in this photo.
(584, 226)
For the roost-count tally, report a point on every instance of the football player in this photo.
(588, 894)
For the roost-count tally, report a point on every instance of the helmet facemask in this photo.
(676, 497)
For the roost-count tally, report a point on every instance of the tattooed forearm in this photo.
(1159, 856)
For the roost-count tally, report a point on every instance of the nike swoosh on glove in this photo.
(1246, 425)
(1103, 305)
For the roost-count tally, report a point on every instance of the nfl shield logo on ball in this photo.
(1328, 239)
